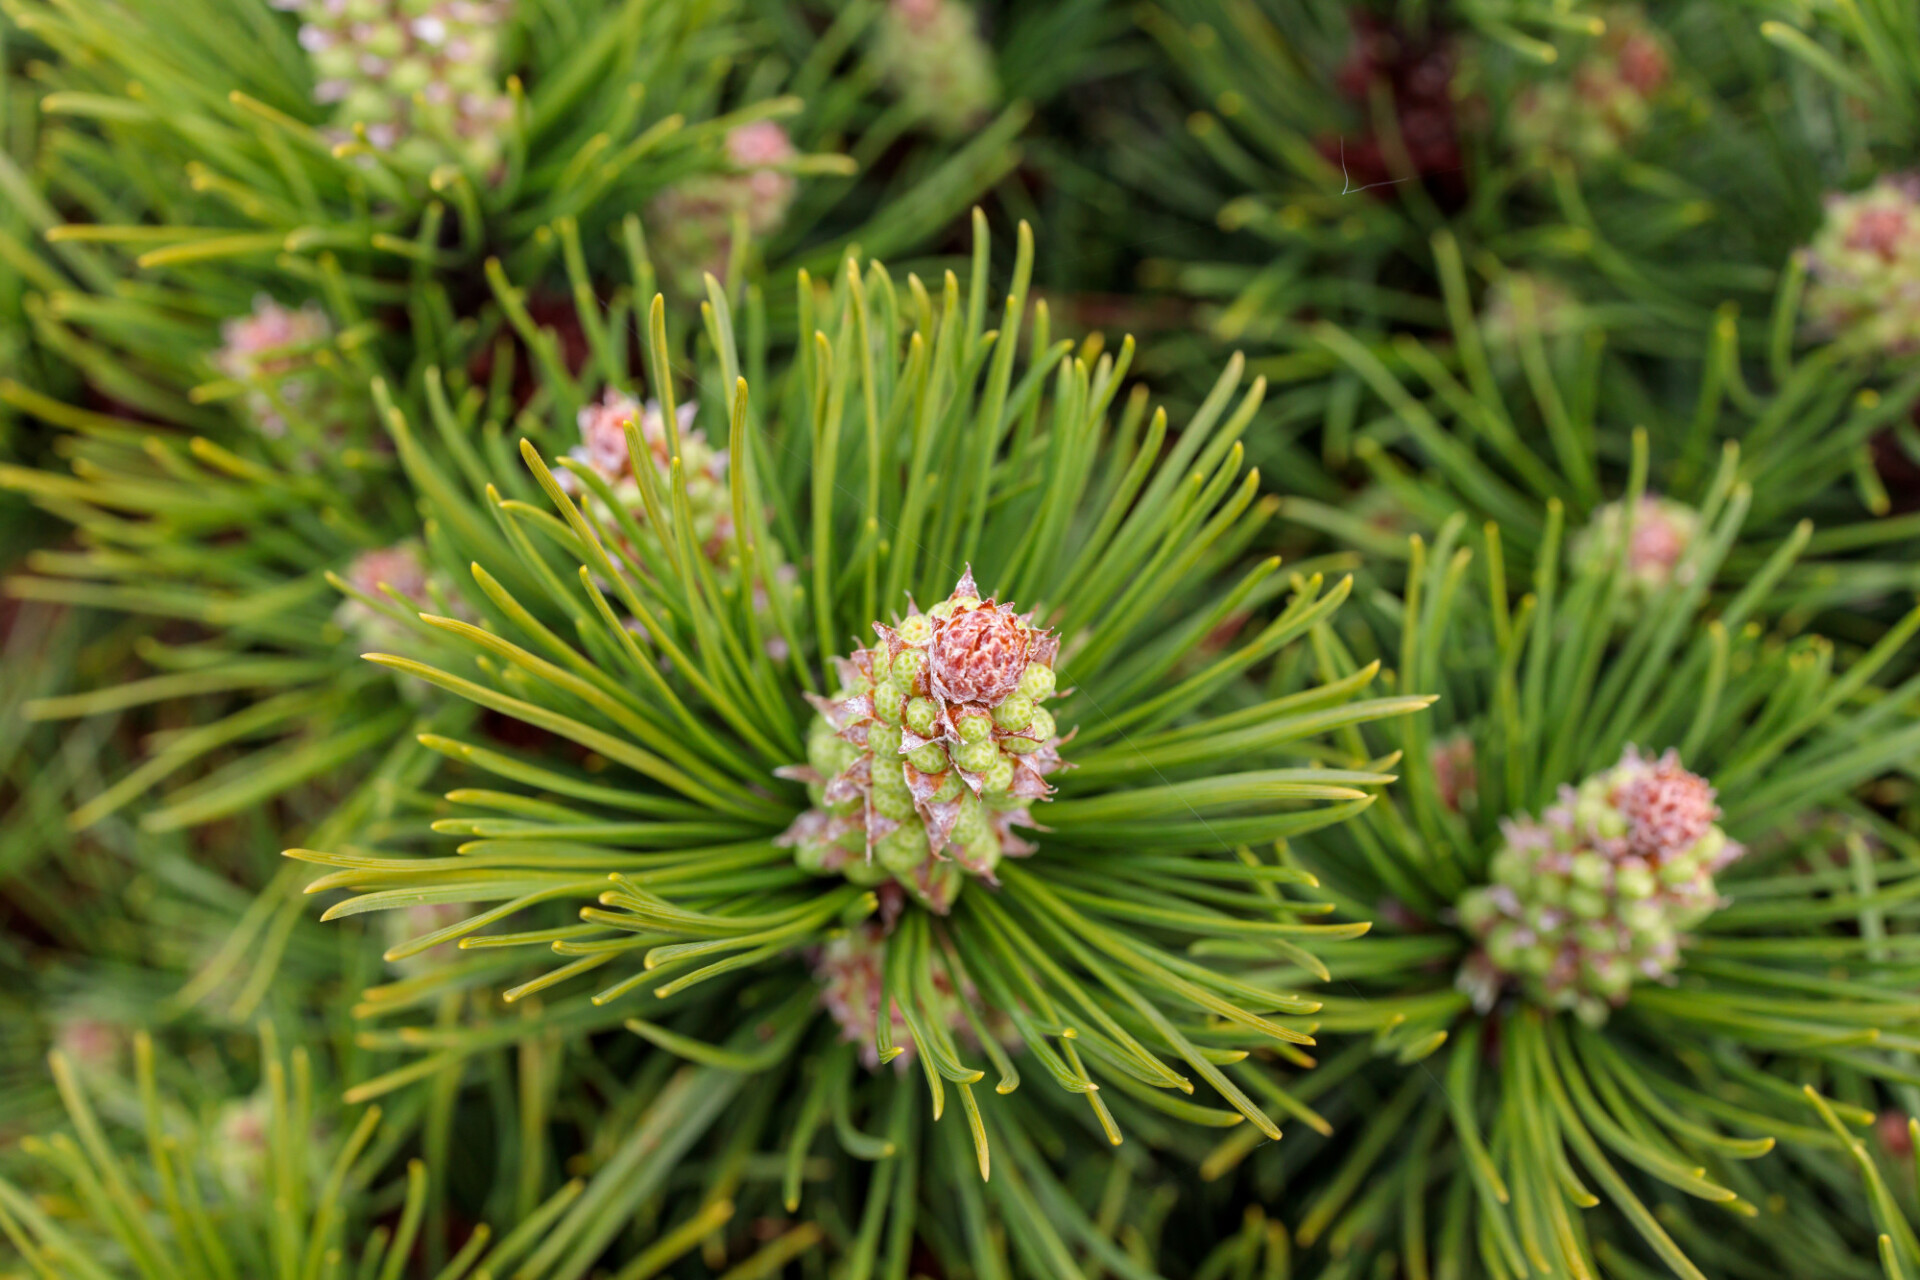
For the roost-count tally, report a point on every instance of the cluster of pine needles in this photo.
(959, 639)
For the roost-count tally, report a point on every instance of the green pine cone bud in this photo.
(1590, 870)
(827, 752)
(921, 715)
(1654, 550)
(336, 62)
(421, 75)
(903, 849)
(1634, 882)
(1862, 264)
(889, 700)
(894, 805)
(1037, 681)
(1502, 944)
(1015, 714)
(965, 679)
(1596, 893)
(932, 54)
(976, 757)
(1587, 904)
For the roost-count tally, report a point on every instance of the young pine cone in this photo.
(1598, 892)
(928, 757)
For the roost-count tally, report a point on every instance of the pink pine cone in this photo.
(1863, 267)
(926, 761)
(1598, 892)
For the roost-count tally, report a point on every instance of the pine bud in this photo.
(402, 567)
(417, 73)
(268, 346)
(93, 1047)
(1596, 893)
(1456, 777)
(933, 58)
(241, 1133)
(1601, 107)
(692, 223)
(603, 449)
(1863, 266)
(1663, 532)
(848, 969)
(947, 749)
(1520, 302)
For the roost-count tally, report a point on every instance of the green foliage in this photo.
(242, 192)
(1529, 423)
(907, 442)
(1536, 845)
(1523, 1115)
(255, 1185)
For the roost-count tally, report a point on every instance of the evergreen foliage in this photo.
(738, 654)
